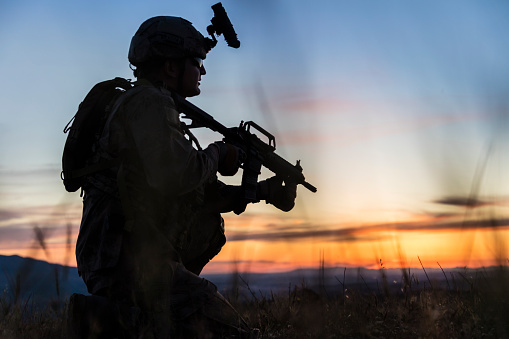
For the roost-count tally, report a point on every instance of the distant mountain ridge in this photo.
(37, 280)
(40, 281)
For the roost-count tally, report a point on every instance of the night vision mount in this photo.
(222, 25)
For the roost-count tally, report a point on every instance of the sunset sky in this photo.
(398, 111)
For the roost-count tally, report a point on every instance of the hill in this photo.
(41, 281)
(37, 281)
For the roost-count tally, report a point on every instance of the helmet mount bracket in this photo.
(221, 25)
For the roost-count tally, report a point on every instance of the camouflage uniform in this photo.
(149, 225)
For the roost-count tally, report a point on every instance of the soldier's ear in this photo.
(171, 68)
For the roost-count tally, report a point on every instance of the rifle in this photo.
(258, 153)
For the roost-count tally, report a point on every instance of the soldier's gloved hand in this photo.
(230, 158)
(274, 192)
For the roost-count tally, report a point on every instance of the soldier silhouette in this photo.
(152, 221)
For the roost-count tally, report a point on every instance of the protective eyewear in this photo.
(199, 62)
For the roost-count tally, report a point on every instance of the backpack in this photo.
(86, 129)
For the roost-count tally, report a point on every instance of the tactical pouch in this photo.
(215, 244)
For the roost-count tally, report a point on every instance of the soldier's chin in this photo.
(192, 93)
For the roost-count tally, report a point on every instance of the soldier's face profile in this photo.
(193, 71)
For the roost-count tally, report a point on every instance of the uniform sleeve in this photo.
(169, 161)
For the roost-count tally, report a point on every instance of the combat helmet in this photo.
(164, 37)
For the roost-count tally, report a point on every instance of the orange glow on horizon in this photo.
(364, 248)
(449, 249)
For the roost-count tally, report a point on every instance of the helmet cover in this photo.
(163, 37)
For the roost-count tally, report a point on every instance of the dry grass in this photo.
(477, 311)
(25, 320)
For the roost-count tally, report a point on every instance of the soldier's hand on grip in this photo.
(274, 192)
(230, 158)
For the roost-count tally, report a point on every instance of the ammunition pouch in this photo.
(211, 244)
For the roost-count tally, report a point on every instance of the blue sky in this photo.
(390, 105)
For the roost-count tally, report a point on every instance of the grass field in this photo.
(481, 310)
(474, 304)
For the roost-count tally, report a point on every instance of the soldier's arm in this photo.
(170, 164)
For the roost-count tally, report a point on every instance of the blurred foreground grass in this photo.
(480, 311)
(416, 310)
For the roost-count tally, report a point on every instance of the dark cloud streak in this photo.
(462, 202)
(367, 233)
(6, 215)
(21, 235)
